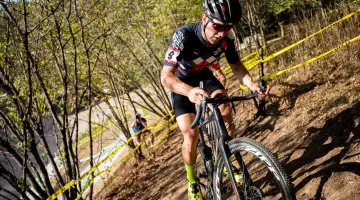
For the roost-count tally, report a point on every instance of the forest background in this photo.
(59, 58)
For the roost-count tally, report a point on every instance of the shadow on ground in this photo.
(341, 131)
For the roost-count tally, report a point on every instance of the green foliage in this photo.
(279, 6)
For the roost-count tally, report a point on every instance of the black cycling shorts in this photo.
(181, 104)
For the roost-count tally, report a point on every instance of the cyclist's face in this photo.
(215, 30)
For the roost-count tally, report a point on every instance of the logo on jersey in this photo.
(196, 52)
(178, 40)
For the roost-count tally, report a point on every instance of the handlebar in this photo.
(219, 100)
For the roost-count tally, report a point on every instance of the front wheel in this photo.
(261, 175)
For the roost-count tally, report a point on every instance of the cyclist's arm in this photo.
(215, 68)
(143, 121)
(173, 83)
(242, 73)
(221, 76)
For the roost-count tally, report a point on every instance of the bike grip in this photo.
(262, 85)
(256, 94)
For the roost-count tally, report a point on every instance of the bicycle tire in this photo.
(253, 149)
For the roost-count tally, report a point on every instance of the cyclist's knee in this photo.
(218, 93)
(190, 136)
(225, 110)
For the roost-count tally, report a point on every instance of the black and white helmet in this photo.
(226, 11)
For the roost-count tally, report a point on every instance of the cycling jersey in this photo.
(139, 126)
(190, 54)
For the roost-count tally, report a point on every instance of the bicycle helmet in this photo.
(226, 11)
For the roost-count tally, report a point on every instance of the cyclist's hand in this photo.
(196, 94)
(262, 95)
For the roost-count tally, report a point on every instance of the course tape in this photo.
(267, 58)
(248, 66)
(162, 137)
(278, 73)
(86, 139)
(73, 182)
(252, 63)
(227, 69)
(88, 185)
(248, 56)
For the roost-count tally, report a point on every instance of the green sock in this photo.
(190, 173)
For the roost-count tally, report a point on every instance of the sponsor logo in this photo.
(196, 52)
(178, 40)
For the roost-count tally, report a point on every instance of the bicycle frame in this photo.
(222, 138)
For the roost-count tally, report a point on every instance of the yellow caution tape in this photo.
(244, 88)
(269, 76)
(86, 139)
(267, 58)
(163, 136)
(146, 128)
(73, 182)
(278, 73)
(88, 185)
(121, 160)
(248, 56)
(227, 69)
(251, 63)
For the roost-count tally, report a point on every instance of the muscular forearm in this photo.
(221, 76)
(173, 83)
(242, 73)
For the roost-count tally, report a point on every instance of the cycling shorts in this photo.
(181, 104)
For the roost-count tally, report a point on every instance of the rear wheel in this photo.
(266, 178)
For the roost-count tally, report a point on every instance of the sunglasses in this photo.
(220, 27)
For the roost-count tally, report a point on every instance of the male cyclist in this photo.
(193, 51)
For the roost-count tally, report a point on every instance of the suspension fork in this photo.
(224, 149)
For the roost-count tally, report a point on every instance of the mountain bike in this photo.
(226, 159)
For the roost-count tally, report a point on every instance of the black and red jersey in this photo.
(190, 54)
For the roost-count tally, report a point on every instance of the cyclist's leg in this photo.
(138, 142)
(215, 88)
(190, 139)
(185, 114)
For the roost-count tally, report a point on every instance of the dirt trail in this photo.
(313, 126)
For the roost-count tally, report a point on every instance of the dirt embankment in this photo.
(312, 125)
